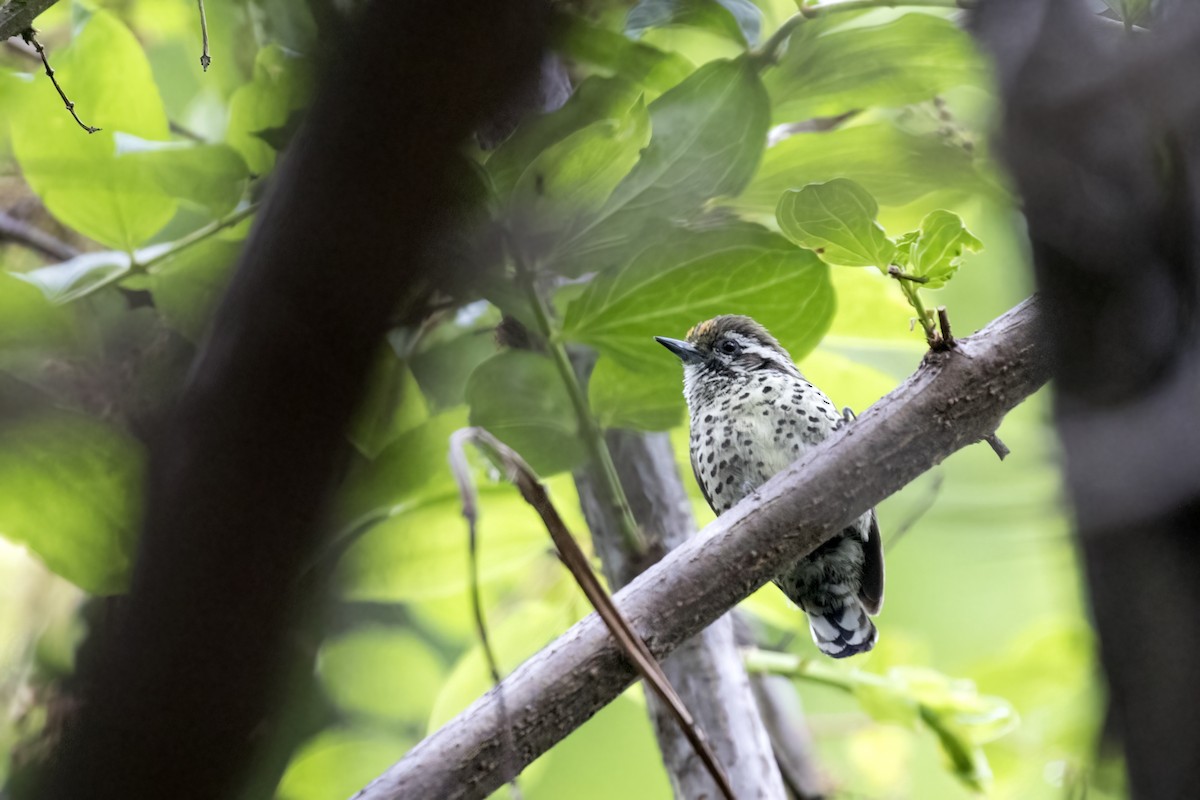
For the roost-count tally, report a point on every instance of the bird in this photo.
(752, 413)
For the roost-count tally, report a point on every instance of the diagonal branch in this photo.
(954, 399)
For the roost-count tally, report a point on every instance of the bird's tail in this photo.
(844, 631)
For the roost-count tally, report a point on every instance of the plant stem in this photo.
(907, 285)
(766, 54)
(593, 437)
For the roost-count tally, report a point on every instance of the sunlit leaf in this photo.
(80, 177)
(68, 280)
(69, 490)
(938, 251)
(27, 317)
(338, 762)
(886, 702)
(212, 176)
(836, 220)
(739, 20)
(519, 397)
(895, 166)
(695, 276)
(391, 405)
(381, 673)
(279, 86)
(903, 61)
(614, 54)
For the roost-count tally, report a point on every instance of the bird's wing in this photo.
(700, 483)
(871, 592)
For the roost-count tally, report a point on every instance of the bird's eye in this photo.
(729, 347)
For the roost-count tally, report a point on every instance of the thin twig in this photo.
(999, 447)
(901, 275)
(30, 37)
(470, 512)
(944, 327)
(906, 281)
(204, 59)
(635, 649)
(21, 232)
(913, 518)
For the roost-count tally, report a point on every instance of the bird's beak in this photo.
(686, 352)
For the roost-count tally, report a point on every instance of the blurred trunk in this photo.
(1102, 133)
(707, 669)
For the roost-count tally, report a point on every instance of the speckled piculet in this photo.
(753, 414)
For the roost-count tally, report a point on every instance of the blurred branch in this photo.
(183, 691)
(22, 233)
(953, 400)
(17, 16)
(706, 670)
(30, 37)
(534, 493)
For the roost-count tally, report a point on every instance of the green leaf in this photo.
(69, 491)
(442, 369)
(392, 405)
(739, 20)
(187, 286)
(27, 318)
(381, 673)
(520, 398)
(830, 70)
(708, 136)
(611, 53)
(571, 180)
(836, 220)
(886, 702)
(694, 276)
(895, 166)
(80, 177)
(66, 281)
(594, 100)
(338, 762)
(279, 87)
(421, 551)
(938, 251)
(211, 176)
(644, 401)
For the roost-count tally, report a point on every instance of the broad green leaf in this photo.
(595, 99)
(405, 473)
(938, 250)
(338, 762)
(66, 281)
(611, 53)
(647, 401)
(887, 702)
(392, 405)
(280, 86)
(381, 673)
(569, 182)
(836, 220)
(896, 167)
(442, 369)
(520, 398)
(694, 276)
(27, 318)
(515, 637)
(707, 138)
(903, 61)
(187, 285)
(739, 20)
(69, 489)
(212, 176)
(421, 551)
(78, 176)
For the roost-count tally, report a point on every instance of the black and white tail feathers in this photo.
(842, 632)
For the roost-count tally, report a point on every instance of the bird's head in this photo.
(727, 349)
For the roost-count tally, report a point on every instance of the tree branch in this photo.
(21, 232)
(954, 399)
(17, 16)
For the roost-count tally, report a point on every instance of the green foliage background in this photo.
(652, 198)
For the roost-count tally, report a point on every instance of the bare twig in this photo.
(635, 649)
(953, 399)
(20, 232)
(204, 59)
(999, 447)
(30, 37)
